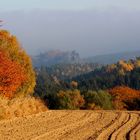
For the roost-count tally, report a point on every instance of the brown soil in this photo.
(73, 125)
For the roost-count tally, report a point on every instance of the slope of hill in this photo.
(60, 57)
(73, 125)
(113, 58)
(122, 73)
(67, 71)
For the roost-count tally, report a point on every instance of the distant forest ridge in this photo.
(114, 57)
(53, 57)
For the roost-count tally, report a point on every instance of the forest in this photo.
(76, 85)
(114, 86)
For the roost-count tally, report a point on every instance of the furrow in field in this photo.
(70, 131)
(121, 133)
(108, 120)
(73, 125)
(107, 132)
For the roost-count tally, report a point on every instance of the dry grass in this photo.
(19, 107)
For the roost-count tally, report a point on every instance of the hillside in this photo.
(67, 71)
(121, 73)
(97, 89)
(53, 57)
(113, 58)
(73, 125)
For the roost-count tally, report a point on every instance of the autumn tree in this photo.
(74, 84)
(123, 94)
(12, 75)
(98, 99)
(125, 65)
(16, 73)
(70, 99)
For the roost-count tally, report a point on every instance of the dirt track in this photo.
(73, 125)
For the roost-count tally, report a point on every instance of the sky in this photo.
(90, 27)
(7, 5)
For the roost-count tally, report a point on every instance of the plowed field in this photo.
(73, 125)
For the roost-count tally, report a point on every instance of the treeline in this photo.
(100, 89)
(124, 73)
(68, 71)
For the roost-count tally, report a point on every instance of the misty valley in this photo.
(67, 81)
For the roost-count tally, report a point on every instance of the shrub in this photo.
(70, 99)
(98, 99)
(19, 107)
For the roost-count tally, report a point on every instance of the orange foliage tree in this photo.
(12, 75)
(17, 76)
(122, 94)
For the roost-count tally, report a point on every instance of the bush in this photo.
(19, 107)
(98, 99)
(70, 99)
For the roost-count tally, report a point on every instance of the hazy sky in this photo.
(89, 26)
(67, 4)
